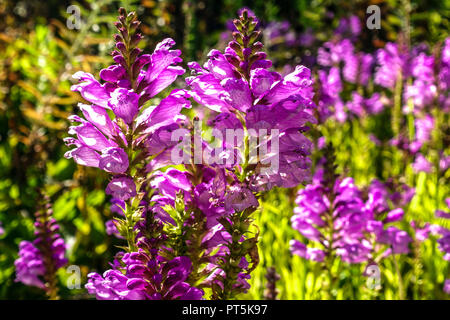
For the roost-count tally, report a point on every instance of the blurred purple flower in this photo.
(391, 63)
(39, 260)
(447, 286)
(421, 164)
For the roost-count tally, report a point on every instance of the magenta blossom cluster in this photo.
(208, 195)
(104, 141)
(189, 226)
(144, 275)
(40, 259)
(423, 78)
(122, 133)
(339, 221)
(342, 63)
(443, 235)
(412, 80)
(245, 94)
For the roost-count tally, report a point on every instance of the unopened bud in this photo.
(136, 38)
(135, 24)
(232, 60)
(254, 35)
(121, 47)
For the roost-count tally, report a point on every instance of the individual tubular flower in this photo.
(121, 187)
(111, 229)
(114, 160)
(39, 260)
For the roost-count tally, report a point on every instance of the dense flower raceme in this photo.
(39, 260)
(210, 197)
(123, 136)
(117, 132)
(116, 124)
(244, 96)
(344, 224)
(144, 275)
(239, 86)
(101, 140)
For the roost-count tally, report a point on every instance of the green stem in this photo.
(396, 122)
(401, 289)
(396, 115)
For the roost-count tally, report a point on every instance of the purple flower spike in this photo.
(30, 266)
(39, 260)
(145, 276)
(334, 209)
